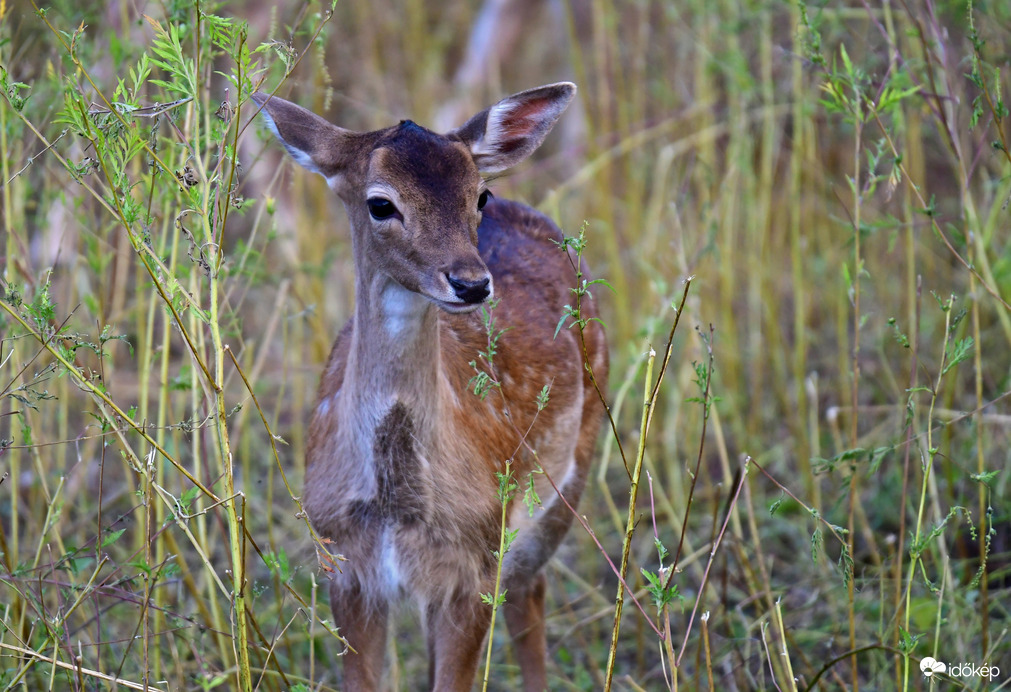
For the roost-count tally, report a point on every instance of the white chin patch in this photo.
(401, 308)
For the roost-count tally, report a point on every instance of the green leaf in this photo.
(847, 63)
(279, 565)
(908, 641)
(112, 537)
(187, 498)
(561, 321)
(957, 352)
(661, 549)
(542, 397)
(985, 478)
(774, 507)
(605, 282)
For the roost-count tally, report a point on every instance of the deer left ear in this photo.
(314, 143)
(513, 128)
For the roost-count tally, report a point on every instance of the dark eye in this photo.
(380, 208)
(483, 200)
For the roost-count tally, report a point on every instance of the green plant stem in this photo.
(983, 488)
(742, 479)
(791, 681)
(798, 266)
(855, 374)
(667, 646)
(633, 493)
(906, 462)
(928, 463)
(11, 549)
(235, 502)
(498, 575)
(579, 290)
(975, 230)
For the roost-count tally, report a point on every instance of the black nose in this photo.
(470, 291)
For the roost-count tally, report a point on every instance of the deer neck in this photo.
(395, 354)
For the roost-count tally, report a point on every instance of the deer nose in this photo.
(471, 291)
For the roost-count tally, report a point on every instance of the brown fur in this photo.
(402, 457)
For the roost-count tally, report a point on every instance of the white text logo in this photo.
(929, 666)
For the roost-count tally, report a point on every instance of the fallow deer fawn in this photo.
(401, 456)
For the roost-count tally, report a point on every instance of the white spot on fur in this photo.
(390, 566)
(401, 309)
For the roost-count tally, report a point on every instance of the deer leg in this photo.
(363, 625)
(456, 633)
(524, 615)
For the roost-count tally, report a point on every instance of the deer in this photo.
(401, 455)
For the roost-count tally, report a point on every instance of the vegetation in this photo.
(815, 194)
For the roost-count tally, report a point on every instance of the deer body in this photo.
(402, 457)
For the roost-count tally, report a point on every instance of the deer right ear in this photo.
(314, 143)
(513, 128)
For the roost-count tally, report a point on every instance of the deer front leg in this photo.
(456, 633)
(524, 614)
(362, 622)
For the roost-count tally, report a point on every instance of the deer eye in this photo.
(483, 200)
(381, 209)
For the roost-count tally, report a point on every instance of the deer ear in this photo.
(513, 128)
(314, 143)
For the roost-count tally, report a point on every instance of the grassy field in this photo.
(816, 195)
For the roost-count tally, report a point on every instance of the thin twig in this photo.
(712, 555)
(31, 159)
(78, 667)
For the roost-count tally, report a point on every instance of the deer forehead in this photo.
(423, 167)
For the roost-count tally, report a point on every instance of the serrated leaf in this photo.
(112, 537)
(957, 352)
(985, 478)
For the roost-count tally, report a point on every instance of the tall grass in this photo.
(823, 498)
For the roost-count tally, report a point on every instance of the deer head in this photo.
(414, 197)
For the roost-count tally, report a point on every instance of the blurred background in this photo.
(832, 176)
